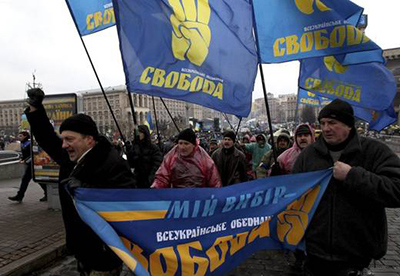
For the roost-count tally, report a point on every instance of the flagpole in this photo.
(226, 117)
(170, 115)
(155, 118)
(274, 152)
(237, 130)
(97, 77)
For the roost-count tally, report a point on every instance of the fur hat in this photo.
(230, 134)
(82, 124)
(187, 135)
(338, 110)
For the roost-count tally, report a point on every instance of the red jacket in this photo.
(194, 171)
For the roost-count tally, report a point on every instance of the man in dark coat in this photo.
(145, 157)
(87, 158)
(26, 159)
(231, 162)
(349, 227)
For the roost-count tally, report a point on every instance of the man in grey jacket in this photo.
(349, 227)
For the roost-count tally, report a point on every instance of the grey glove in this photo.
(35, 97)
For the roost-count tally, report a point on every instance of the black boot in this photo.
(15, 198)
(43, 198)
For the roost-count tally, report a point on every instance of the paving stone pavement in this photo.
(29, 229)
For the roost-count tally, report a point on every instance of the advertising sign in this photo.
(58, 108)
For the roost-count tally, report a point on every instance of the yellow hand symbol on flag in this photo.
(306, 6)
(333, 65)
(293, 222)
(191, 35)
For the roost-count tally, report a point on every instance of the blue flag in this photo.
(291, 30)
(91, 16)
(184, 231)
(369, 85)
(377, 120)
(199, 51)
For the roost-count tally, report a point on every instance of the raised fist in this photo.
(191, 35)
(293, 222)
(35, 97)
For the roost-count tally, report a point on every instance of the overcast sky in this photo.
(39, 36)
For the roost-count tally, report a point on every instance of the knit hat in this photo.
(187, 135)
(80, 123)
(338, 110)
(213, 141)
(303, 129)
(230, 134)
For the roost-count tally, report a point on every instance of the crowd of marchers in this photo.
(349, 227)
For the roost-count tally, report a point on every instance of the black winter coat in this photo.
(350, 221)
(101, 167)
(232, 167)
(145, 158)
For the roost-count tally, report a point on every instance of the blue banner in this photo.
(377, 120)
(91, 16)
(202, 232)
(291, 29)
(199, 51)
(366, 85)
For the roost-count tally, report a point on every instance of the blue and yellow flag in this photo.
(366, 85)
(91, 16)
(297, 29)
(377, 120)
(188, 232)
(199, 51)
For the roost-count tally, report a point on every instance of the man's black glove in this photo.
(35, 97)
(276, 169)
(71, 183)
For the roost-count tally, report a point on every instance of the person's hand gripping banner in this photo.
(191, 34)
(293, 222)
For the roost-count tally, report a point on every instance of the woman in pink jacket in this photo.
(187, 165)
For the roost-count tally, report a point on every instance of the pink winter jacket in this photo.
(194, 171)
(288, 157)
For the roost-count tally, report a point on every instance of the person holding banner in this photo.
(187, 165)
(86, 160)
(349, 227)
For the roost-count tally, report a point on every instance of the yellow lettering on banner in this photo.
(182, 81)
(189, 263)
(238, 242)
(89, 22)
(136, 252)
(341, 90)
(208, 87)
(144, 78)
(171, 262)
(306, 42)
(292, 45)
(217, 260)
(98, 19)
(321, 42)
(279, 52)
(354, 35)
(261, 231)
(219, 91)
(171, 80)
(94, 20)
(197, 84)
(158, 78)
(338, 36)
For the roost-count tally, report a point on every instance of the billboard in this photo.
(58, 108)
